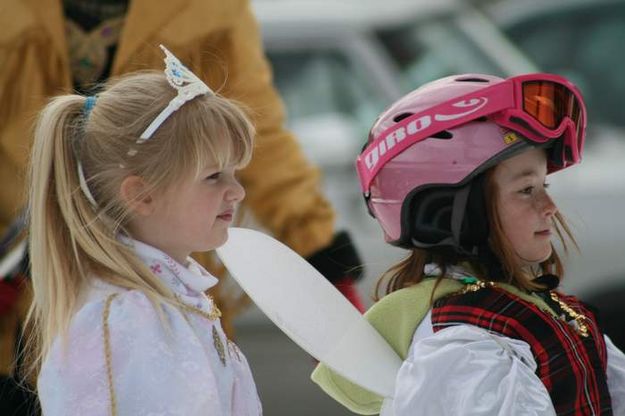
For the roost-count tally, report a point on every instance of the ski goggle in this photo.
(541, 107)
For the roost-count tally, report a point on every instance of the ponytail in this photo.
(69, 237)
(56, 280)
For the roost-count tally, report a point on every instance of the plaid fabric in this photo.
(572, 367)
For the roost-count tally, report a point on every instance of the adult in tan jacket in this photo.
(52, 46)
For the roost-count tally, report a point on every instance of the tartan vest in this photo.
(572, 367)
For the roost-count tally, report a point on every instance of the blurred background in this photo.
(339, 63)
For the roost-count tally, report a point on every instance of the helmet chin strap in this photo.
(548, 281)
(458, 211)
(467, 230)
(473, 210)
(476, 213)
(494, 268)
(469, 224)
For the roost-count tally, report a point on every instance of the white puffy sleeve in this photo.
(616, 377)
(467, 370)
(155, 371)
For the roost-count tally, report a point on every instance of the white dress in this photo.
(464, 370)
(187, 369)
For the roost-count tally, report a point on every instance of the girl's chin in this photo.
(539, 259)
(218, 239)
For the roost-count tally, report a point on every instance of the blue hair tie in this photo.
(88, 106)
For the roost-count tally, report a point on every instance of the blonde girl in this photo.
(456, 172)
(123, 187)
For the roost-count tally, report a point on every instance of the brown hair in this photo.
(410, 271)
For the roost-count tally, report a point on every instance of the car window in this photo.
(330, 101)
(432, 50)
(321, 81)
(585, 45)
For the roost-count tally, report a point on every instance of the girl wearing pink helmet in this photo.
(455, 172)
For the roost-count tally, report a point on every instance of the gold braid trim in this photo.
(478, 285)
(579, 318)
(214, 314)
(580, 325)
(107, 352)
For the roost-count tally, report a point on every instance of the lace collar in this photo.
(191, 280)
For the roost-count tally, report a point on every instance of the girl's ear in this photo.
(133, 192)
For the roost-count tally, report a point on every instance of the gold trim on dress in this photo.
(107, 352)
(580, 319)
(219, 346)
(577, 317)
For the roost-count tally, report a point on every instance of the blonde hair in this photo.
(72, 241)
(410, 271)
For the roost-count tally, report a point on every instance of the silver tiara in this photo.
(185, 82)
(179, 77)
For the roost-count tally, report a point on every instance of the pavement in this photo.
(282, 370)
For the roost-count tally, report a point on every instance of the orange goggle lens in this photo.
(549, 103)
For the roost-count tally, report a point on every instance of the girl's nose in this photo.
(549, 208)
(236, 193)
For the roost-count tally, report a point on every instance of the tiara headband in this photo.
(185, 82)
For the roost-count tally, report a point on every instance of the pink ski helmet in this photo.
(417, 168)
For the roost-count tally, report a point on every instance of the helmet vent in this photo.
(400, 117)
(444, 134)
(472, 80)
